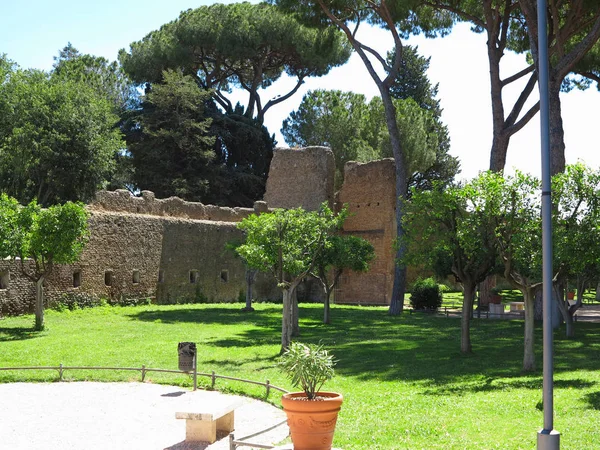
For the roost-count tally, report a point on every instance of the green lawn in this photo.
(405, 384)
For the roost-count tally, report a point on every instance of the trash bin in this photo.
(187, 353)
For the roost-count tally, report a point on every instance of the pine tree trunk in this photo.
(399, 287)
(465, 322)
(557, 132)
(598, 292)
(39, 304)
(529, 354)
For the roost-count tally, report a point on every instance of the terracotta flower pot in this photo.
(312, 422)
(496, 299)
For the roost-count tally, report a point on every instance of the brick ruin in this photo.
(172, 251)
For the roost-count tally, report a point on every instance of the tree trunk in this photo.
(467, 312)
(499, 138)
(598, 291)
(485, 290)
(557, 133)
(286, 320)
(500, 141)
(295, 313)
(397, 300)
(250, 277)
(326, 308)
(39, 304)
(529, 354)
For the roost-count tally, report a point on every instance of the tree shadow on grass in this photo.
(593, 400)
(426, 349)
(534, 382)
(371, 345)
(17, 333)
(267, 316)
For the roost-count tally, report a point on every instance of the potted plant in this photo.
(495, 298)
(312, 413)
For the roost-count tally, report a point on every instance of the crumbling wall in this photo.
(145, 254)
(301, 177)
(121, 200)
(370, 193)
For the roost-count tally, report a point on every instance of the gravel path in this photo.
(116, 416)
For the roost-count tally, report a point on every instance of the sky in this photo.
(32, 32)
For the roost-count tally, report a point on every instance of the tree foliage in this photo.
(105, 77)
(451, 230)
(174, 150)
(240, 45)
(55, 235)
(243, 151)
(287, 244)
(356, 131)
(340, 252)
(58, 137)
(576, 201)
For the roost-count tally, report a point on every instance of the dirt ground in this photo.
(117, 416)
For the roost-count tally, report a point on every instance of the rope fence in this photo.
(144, 371)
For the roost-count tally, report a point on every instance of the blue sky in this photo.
(33, 31)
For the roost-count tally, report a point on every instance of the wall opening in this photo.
(108, 278)
(76, 278)
(4, 279)
(136, 277)
(194, 276)
(224, 276)
(161, 276)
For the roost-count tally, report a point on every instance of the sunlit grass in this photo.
(405, 384)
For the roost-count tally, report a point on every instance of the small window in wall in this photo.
(161, 276)
(136, 277)
(193, 276)
(4, 279)
(224, 276)
(76, 278)
(108, 278)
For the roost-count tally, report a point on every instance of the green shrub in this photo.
(426, 295)
(125, 300)
(444, 288)
(76, 300)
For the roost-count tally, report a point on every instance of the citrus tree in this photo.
(451, 230)
(286, 243)
(46, 237)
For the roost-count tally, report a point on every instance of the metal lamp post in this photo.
(547, 438)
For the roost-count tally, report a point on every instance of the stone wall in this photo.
(171, 250)
(301, 177)
(133, 255)
(122, 201)
(370, 193)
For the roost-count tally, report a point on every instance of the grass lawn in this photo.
(405, 384)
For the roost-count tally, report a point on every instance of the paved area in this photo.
(117, 416)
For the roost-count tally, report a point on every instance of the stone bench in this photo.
(203, 424)
(517, 307)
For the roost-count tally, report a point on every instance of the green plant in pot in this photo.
(312, 413)
(496, 297)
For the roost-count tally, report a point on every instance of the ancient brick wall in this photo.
(301, 177)
(369, 191)
(145, 253)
